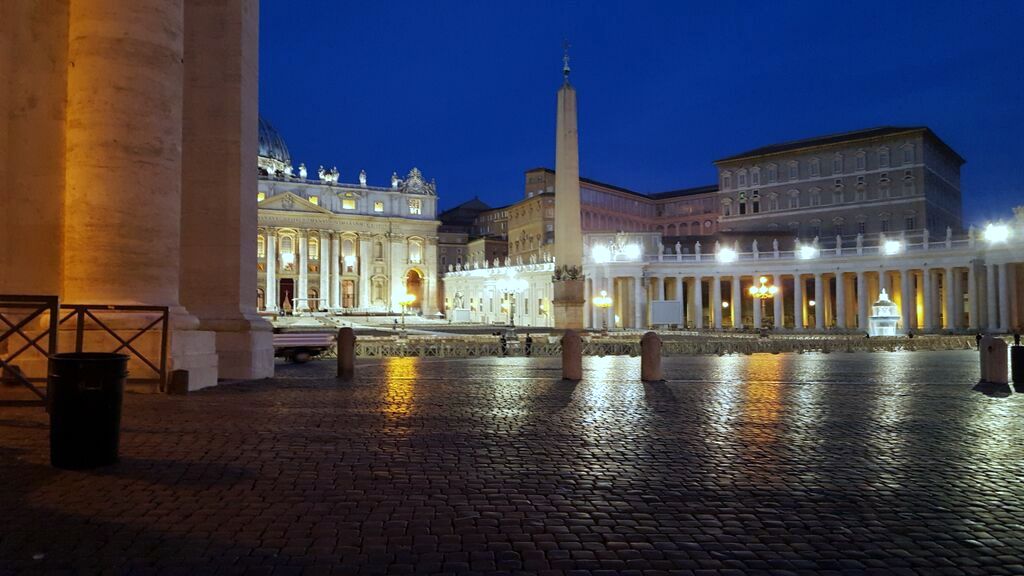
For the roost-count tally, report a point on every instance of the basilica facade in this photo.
(349, 248)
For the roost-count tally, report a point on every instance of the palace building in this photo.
(326, 245)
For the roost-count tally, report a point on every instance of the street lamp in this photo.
(604, 302)
(763, 292)
(406, 301)
(997, 233)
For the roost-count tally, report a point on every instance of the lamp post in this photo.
(603, 302)
(763, 292)
(406, 301)
(510, 287)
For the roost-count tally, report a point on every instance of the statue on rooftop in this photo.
(362, 178)
(302, 171)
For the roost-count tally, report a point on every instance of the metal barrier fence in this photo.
(30, 327)
(709, 345)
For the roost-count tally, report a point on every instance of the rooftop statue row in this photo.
(413, 183)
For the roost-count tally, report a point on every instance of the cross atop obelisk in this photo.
(568, 283)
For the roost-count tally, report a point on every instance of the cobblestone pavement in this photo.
(882, 463)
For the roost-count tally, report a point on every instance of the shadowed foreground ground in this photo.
(838, 463)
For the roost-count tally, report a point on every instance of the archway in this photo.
(414, 286)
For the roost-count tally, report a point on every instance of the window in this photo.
(908, 154)
(837, 164)
(726, 180)
(755, 177)
(860, 180)
(378, 206)
(727, 208)
(883, 157)
(838, 226)
(815, 167)
(756, 202)
(314, 249)
(862, 227)
(415, 206)
(261, 247)
(861, 161)
(415, 251)
(742, 179)
(794, 170)
(815, 229)
(348, 203)
(815, 197)
(909, 223)
(794, 200)
(884, 177)
(885, 225)
(773, 202)
(261, 196)
(314, 200)
(743, 203)
(773, 173)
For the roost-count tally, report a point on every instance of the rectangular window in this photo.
(794, 201)
(862, 227)
(793, 171)
(885, 225)
(743, 179)
(415, 206)
(755, 179)
(861, 162)
(348, 203)
(814, 168)
(883, 158)
(909, 223)
(837, 165)
(772, 175)
(378, 206)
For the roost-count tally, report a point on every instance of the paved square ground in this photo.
(785, 464)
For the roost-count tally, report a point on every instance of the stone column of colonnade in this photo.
(798, 302)
(325, 270)
(755, 306)
(270, 296)
(819, 302)
(123, 197)
(777, 302)
(950, 286)
(716, 302)
(335, 272)
(736, 304)
(1004, 297)
(863, 300)
(698, 302)
(302, 290)
(840, 300)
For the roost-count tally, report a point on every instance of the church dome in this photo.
(273, 152)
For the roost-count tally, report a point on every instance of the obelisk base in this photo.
(568, 304)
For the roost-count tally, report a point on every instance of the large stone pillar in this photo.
(325, 270)
(819, 302)
(798, 302)
(908, 301)
(302, 290)
(1004, 297)
(716, 301)
(974, 309)
(568, 301)
(640, 296)
(863, 300)
(335, 267)
(755, 305)
(123, 199)
(991, 318)
(270, 297)
(777, 303)
(840, 300)
(365, 269)
(698, 303)
(928, 283)
(736, 305)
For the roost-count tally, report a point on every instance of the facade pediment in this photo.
(288, 202)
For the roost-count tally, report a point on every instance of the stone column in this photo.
(641, 302)
(681, 291)
(949, 287)
(1004, 297)
(737, 304)
(325, 267)
(755, 307)
(271, 290)
(992, 319)
(365, 263)
(908, 301)
(840, 300)
(303, 288)
(798, 302)
(335, 271)
(716, 301)
(698, 303)
(928, 284)
(777, 302)
(972, 296)
(819, 303)
(863, 300)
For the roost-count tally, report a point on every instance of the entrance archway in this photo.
(414, 286)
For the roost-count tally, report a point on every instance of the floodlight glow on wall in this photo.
(631, 251)
(726, 255)
(892, 247)
(808, 252)
(350, 260)
(287, 258)
(997, 233)
(600, 254)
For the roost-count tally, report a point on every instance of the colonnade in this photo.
(974, 295)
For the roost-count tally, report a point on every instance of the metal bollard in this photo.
(1017, 364)
(572, 356)
(346, 353)
(650, 357)
(993, 360)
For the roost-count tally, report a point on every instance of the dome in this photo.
(273, 152)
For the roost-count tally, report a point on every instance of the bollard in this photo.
(177, 384)
(572, 356)
(650, 357)
(346, 353)
(1017, 364)
(993, 360)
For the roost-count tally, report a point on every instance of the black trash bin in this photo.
(86, 391)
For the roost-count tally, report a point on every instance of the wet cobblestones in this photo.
(775, 464)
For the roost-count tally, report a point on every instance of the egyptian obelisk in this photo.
(568, 281)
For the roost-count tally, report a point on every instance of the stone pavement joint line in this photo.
(772, 464)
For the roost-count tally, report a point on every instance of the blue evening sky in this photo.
(466, 90)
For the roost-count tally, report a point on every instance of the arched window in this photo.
(348, 254)
(415, 250)
(314, 248)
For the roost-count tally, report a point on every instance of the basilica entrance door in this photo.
(285, 293)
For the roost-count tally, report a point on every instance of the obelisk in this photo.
(568, 278)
